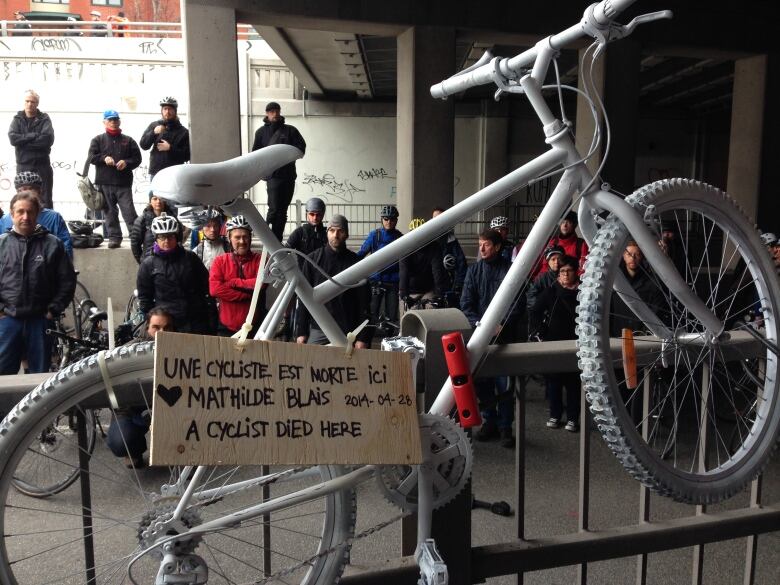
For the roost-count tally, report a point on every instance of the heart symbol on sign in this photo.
(170, 395)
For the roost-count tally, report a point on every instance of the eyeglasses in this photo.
(566, 271)
(388, 218)
(166, 236)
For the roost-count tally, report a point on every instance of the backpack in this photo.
(82, 236)
(92, 196)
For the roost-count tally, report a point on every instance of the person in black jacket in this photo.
(351, 307)
(281, 184)
(557, 305)
(312, 235)
(422, 274)
(32, 135)
(37, 282)
(646, 287)
(553, 256)
(168, 139)
(115, 156)
(141, 236)
(483, 278)
(176, 280)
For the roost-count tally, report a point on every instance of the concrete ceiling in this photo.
(340, 49)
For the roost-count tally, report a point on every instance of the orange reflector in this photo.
(629, 358)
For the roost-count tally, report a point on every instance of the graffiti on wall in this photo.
(328, 186)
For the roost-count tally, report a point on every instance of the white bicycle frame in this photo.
(206, 184)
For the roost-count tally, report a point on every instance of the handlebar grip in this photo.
(463, 81)
(606, 10)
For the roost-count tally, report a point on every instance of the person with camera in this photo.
(167, 138)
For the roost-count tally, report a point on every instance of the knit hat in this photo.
(339, 221)
(552, 250)
(272, 106)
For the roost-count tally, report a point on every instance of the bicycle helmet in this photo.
(195, 218)
(169, 101)
(769, 239)
(315, 205)
(165, 224)
(499, 222)
(449, 262)
(388, 211)
(237, 222)
(27, 178)
(416, 222)
(81, 227)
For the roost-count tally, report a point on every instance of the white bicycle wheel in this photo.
(704, 395)
(44, 540)
(51, 464)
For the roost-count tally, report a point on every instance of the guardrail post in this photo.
(452, 539)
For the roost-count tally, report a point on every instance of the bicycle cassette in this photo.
(448, 452)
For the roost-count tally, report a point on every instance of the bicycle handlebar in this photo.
(599, 16)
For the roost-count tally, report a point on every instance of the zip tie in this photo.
(101, 359)
(242, 333)
(351, 336)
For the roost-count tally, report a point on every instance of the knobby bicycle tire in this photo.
(722, 259)
(44, 542)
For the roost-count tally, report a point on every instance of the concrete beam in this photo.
(280, 43)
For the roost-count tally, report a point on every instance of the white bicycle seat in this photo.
(221, 182)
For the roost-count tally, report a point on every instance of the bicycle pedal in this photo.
(433, 570)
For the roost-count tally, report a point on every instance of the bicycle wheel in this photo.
(131, 508)
(51, 464)
(724, 263)
(77, 315)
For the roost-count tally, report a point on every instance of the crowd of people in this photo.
(206, 285)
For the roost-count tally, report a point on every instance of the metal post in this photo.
(86, 496)
(266, 495)
(644, 492)
(520, 409)
(584, 492)
(698, 550)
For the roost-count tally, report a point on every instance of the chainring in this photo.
(448, 452)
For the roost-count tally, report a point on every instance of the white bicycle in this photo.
(254, 524)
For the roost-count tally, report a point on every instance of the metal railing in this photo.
(103, 28)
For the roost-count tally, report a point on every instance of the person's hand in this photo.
(109, 161)
(159, 129)
(121, 165)
(361, 345)
(49, 316)
(301, 339)
(163, 146)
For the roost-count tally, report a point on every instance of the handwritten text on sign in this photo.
(279, 402)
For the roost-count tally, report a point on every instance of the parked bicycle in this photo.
(301, 522)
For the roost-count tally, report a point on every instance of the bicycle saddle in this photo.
(221, 182)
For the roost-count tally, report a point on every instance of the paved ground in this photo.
(552, 460)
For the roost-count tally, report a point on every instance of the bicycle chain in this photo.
(346, 542)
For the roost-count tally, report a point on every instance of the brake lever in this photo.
(644, 19)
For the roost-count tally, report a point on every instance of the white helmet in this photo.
(164, 224)
(237, 222)
(499, 222)
(769, 239)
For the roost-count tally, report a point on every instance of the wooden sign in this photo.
(280, 403)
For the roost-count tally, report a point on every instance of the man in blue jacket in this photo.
(496, 402)
(37, 282)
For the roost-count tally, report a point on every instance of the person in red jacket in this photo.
(232, 278)
(566, 238)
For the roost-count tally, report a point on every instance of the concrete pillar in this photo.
(493, 141)
(425, 126)
(211, 65)
(768, 201)
(747, 123)
(585, 125)
(621, 97)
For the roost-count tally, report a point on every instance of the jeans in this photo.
(127, 433)
(123, 198)
(555, 385)
(280, 193)
(384, 301)
(24, 337)
(496, 403)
